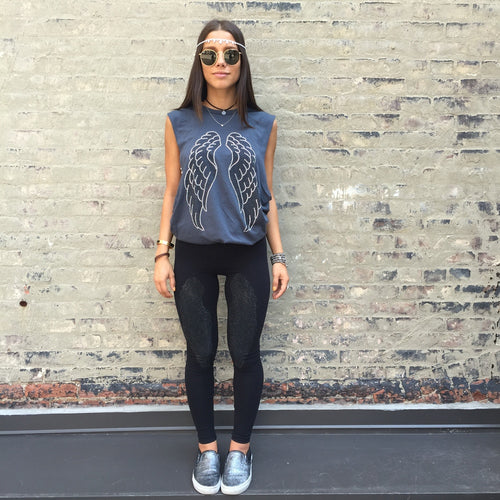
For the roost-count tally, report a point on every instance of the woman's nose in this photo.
(220, 58)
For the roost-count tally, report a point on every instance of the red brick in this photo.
(14, 391)
(51, 391)
(479, 396)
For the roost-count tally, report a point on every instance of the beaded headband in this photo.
(220, 40)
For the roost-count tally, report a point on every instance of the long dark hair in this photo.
(196, 91)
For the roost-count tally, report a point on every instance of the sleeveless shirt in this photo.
(223, 196)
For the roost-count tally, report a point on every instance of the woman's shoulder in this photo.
(261, 117)
(182, 117)
(180, 113)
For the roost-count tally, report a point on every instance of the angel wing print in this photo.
(243, 176)
(200, 175)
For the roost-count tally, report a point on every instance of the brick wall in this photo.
(387, 177)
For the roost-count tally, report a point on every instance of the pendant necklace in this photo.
(224, 111)
(217, 121)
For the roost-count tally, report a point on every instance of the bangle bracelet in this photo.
(278, 258)
(166, 243)
(166, 254)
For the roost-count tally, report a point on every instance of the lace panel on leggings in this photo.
(243, 330)
(197, 321)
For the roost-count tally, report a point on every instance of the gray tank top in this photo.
(223, 196)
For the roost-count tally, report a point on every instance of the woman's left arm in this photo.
(279, 270)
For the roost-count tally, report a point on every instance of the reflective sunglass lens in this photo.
(209, 57)
(231, 56)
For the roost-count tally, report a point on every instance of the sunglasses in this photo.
(209, 57)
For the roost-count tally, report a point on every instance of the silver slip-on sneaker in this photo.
(206, 473)
(237, 474)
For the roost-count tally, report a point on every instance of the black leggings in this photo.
(247, 294)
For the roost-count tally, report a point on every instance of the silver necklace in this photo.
(217, 121)
(224, 111)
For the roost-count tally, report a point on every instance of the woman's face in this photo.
(221, 76)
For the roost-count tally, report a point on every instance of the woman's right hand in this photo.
(164, 275)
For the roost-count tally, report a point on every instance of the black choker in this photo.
(224, 111)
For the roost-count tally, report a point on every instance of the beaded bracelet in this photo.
(278, 258)
(167, 254)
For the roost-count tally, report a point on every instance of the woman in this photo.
(219, 204)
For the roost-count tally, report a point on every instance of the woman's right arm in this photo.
(164, 272)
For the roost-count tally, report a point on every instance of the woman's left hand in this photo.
(280, 280)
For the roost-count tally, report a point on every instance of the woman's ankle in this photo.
(208, 447)
(234, 446)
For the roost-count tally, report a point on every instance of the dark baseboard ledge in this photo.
(324, 418)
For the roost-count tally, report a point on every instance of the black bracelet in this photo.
(167, 254)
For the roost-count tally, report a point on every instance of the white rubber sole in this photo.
(206, 490)
(239, 488)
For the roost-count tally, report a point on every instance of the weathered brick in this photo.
(460, 273)
(11, 392)
(51, 391)
(386, 180)
(434, 276)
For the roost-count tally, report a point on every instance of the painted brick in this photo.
(386, 178)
